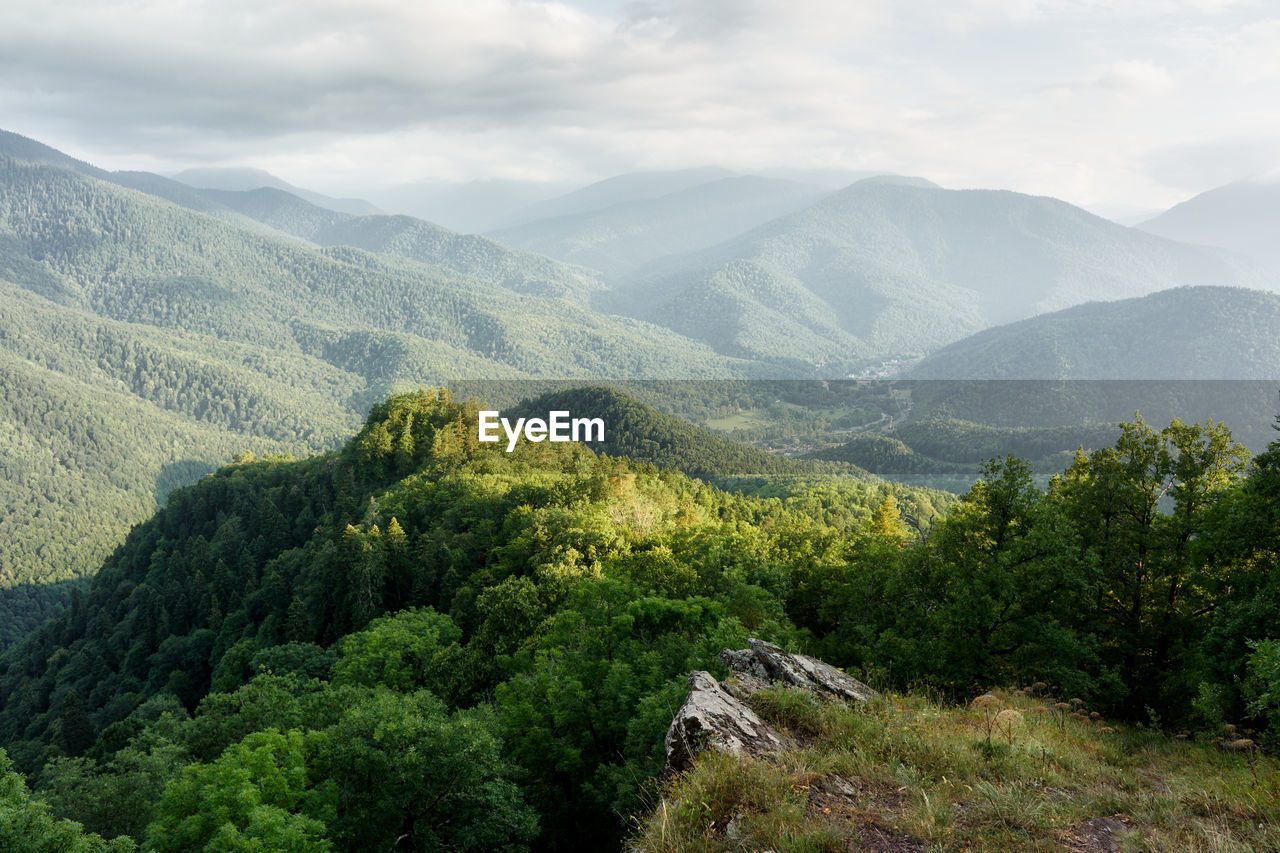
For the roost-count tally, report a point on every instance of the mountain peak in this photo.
(898, 181)
(241, 178)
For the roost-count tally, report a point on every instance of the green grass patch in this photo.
(908, 772)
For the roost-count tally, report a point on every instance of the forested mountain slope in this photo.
(639, 431)
(30, 151)
(216, 338)
(895, 266)
(425, 640)
(273, 563)
(1184, 333)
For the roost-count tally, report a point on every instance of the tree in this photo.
(258, 795)
(993, 592)
(410, 776)
(404, 652)
(75, 731)
(1139, 508)
(27, 826)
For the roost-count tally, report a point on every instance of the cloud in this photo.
(1054, 97)
(1136, 76)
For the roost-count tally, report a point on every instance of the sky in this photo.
(1133, 107)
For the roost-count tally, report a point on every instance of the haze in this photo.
(1118, 110)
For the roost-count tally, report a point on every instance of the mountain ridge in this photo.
(1243, 217)
(232, 178)
(886, 269)
(1182, 333)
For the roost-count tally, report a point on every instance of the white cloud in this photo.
(1075, 99)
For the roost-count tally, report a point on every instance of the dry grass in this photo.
(908, 773)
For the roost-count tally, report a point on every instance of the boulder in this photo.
(764, 662)
(712, 718)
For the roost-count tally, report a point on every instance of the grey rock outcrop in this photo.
(764, 663)
(712, 718)
(714, 715)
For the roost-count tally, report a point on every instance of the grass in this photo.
(911, 773)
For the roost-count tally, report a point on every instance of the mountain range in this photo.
(630, 235)
(1243, 216)
(902, 267)
(150, 329)
(230, 178)
(1185, 333)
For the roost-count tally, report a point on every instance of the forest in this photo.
(418, 642)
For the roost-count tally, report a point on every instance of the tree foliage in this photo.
(428, 641)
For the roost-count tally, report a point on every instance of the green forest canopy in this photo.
(304, 632)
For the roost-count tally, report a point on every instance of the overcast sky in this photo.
(1139, 107)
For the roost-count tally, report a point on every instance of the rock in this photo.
(765, 662)
(1099, 835)
(741, 685)
(836, 786)
(711, 718)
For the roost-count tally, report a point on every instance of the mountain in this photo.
(620, 189)
(1243, 217)
(466, 206)
(278, 212)
(135, 258)
(891, 267)
(102, 420)
(499, 569)
(639, 431)
(168, 335)
(423, 641)
(1184, 333)
(476, 257)
(230, 178)
(628, 235)
(30, 151)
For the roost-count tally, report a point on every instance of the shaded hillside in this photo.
(1185, 333)
(639, 431)
(630, 235)
(82, 461)
(1243, 217)
(891, 267)
(887, 455)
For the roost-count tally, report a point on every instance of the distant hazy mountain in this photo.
(470, 207)
(625, 236)
(894, 266)
(231, 178)
(1186, 333)
(1243, 217)
(828, 179)
(407, 237)
(634, 186)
